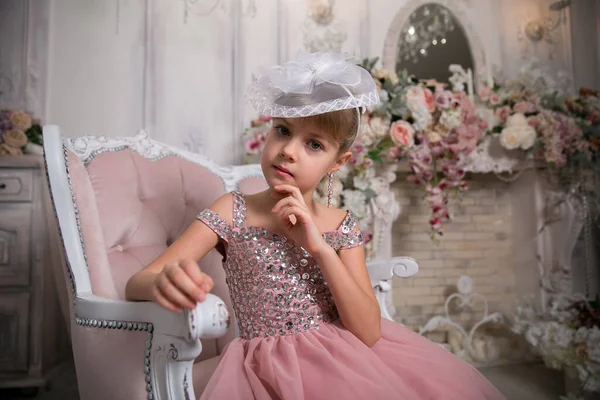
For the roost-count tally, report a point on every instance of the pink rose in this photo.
(253, 146)
(502, 113)
(484, 93)
(524, 107)
(494, 99)
(429, 100)
(532, 121)
(443, 98)
(403, 133)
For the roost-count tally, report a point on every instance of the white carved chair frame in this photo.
(173, 340)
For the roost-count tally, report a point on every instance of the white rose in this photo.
(509, 138)
(518, 133)
(516, 120)
(528, 137)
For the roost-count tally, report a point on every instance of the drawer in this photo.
(15, 244)
(14, 332)
(16, 184)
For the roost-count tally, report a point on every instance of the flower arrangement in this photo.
(17, 128)
(566, 335)
(530, 115)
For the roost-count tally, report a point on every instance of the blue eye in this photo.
(282, 130)
(314, 145)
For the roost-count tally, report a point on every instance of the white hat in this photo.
(312, 84)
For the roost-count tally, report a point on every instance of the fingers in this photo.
(174, 294)
(181, 285)
(163, 301)
(293, 211)
(293, 190)
(286, 202)
(179, 278)
(201, 280)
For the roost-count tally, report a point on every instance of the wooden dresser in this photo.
(33, 337)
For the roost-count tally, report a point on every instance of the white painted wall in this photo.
(112, 67)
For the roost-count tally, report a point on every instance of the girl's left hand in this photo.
(303, 231)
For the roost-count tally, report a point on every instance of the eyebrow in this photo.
(314, 134)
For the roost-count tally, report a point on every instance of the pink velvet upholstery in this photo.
(130, 210)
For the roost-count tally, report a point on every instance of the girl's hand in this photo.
(181, 284)
(296, 219)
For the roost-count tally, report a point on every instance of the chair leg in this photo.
(171, 365)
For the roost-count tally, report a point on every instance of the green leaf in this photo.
(388, 86)
(34, 134)
(375, 155)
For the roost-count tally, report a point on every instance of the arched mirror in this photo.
(430, 40)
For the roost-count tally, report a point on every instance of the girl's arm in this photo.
(347, 277)
(174, 279)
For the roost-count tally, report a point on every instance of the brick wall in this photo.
(477, 242)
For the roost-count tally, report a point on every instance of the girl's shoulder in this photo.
(223, 206)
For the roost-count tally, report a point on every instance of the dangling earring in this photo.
(330, 187)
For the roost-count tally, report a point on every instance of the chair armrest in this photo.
(208, 320)
(383, 270)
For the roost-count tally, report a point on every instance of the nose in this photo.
(290, 150)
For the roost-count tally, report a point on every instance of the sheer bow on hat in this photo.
(312, 84)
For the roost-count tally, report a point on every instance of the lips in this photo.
(283, 169)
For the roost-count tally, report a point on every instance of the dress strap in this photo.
(348, 223)
(239, 209)
(348, 234)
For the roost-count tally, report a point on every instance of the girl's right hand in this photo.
(180, 285)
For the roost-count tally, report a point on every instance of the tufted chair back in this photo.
(133, 198)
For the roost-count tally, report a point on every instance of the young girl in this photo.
(310, 326)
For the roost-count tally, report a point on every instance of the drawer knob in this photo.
(2, 185)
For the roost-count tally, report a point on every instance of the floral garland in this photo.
(433, 128)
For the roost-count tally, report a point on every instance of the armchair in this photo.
(119, 203)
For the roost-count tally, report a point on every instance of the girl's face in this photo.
(297, 154)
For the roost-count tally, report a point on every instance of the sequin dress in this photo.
(292, 345)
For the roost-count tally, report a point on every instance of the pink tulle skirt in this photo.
(331, 363)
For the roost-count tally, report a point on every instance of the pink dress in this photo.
(292, 345)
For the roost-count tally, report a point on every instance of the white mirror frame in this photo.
(457, 8)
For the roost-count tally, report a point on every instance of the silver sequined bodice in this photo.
(276, 286)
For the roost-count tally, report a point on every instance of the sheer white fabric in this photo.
(312, 84)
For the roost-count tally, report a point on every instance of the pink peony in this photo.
(403, 133)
